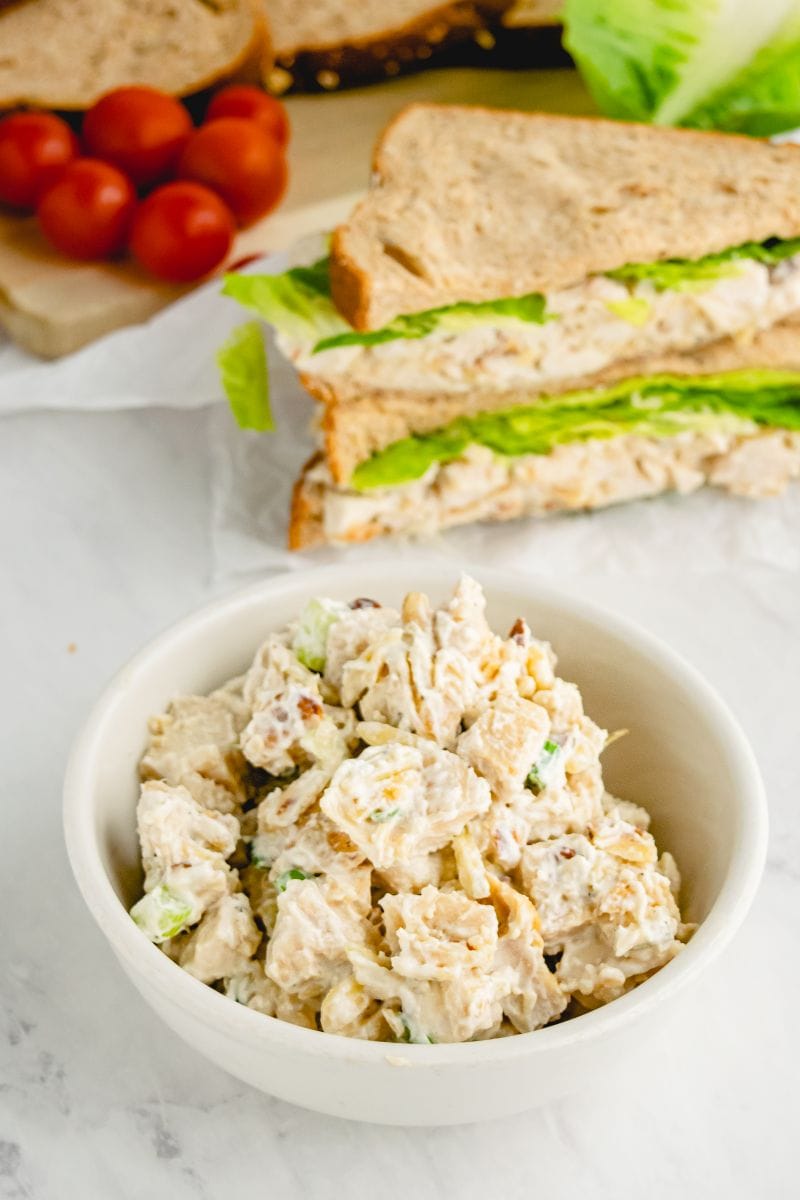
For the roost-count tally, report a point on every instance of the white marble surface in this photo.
(103, 540)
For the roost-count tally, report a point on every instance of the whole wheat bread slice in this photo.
(338, 42)
(330, 25)
(67, 53)
(357, 424)
(476, 204)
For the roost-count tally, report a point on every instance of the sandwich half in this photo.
(529, 313)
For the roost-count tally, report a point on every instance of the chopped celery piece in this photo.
(544, 769)
(412, 1035)
(379, 815)
(635, 310)
(161, 914)
(310, 642)
(282, 882)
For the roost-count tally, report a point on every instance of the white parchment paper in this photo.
(170, 362)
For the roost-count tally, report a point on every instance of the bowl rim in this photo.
(141, 958)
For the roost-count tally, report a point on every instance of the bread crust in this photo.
(305, 513)
(356, 424)
(253, 54)
(557, 198)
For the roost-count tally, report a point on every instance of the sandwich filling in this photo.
(532, 341)
(739, 430)
(482, 486)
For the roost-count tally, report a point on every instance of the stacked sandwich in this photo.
(532, 313)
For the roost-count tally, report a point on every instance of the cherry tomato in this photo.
(34, 148)
(181, 232)
(138, 129)
(239, 160)
(242, 100)
(87, 212)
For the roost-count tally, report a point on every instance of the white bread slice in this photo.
(778, 348)
(357, 425)
(476, 204)
(67, 53)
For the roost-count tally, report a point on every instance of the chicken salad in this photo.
(394, 827)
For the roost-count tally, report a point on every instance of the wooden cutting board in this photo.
(52, 306)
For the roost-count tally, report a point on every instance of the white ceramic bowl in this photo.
(686, 760)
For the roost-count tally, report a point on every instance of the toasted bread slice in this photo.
(356, 425)
(778, 348)
(477, 204)
(67, 53)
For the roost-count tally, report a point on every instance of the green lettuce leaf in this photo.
(682, 274)
(451, 318)
(299, 303)
(714, 64)
(657, 406)
(764, 97)
(242, 364)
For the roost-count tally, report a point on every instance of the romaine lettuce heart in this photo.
(709, 64)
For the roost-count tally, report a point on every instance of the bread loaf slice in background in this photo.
(66, 53)
(477, 204)
(333, 42)
(523, 14)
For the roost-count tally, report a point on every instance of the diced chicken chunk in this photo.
(759, 466)
(195, 743)
(349, 1010)
(533, 998)
(185, 847)
(504, 742)
(418, 676)
(289, 727)
(253, 988)
(223, 942)
(316, 925)
(350, 636)
(419, 1010)
(557, 875)
(397, 802)
(316, 848)
(286, 806)
(439, 935)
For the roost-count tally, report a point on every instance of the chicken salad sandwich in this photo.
(531, 313)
